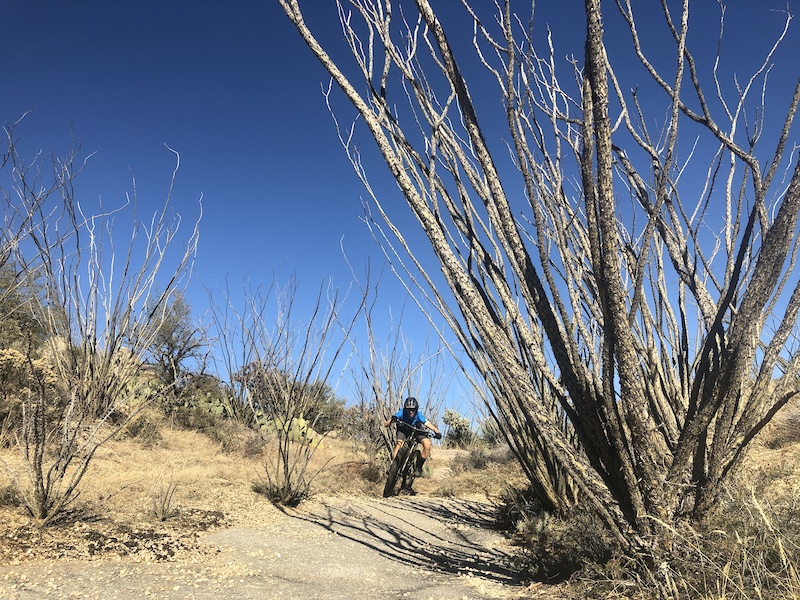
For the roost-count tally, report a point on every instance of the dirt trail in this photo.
(337, 547)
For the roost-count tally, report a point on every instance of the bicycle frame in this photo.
(403, 464)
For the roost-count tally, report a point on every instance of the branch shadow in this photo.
(444, 535)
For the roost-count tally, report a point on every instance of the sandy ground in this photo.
(335, 547)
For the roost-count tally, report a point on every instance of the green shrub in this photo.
(459, 432)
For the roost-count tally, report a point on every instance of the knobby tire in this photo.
(394, 471)
(410, 473)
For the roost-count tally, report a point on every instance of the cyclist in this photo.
(407, 417)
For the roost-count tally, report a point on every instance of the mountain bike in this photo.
(403, 467)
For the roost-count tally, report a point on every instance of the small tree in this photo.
(283, 377)
(176, 342)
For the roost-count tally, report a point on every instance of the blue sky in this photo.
(233, 89)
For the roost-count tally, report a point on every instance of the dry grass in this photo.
(749, 548)
(150, 495)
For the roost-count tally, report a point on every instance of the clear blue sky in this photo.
(233, 89)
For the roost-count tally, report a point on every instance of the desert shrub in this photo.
(9, 496)
(193, 418)
(478, 458)
(162, 497)
(746, 548)
(375, 468)
(231, 434)
(459, 432)
(785, 432)
(145, 429)
(552, 547)
(361, 425)
(516, 506)
(283, 495)
(17, 374)
(234, 438)
(490, 433)
(374, 471)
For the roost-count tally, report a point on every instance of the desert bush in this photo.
(232, 436)
(145, 428)
(553, 547)
(786, 430)
(477, 457)
(362, 425)
(162, 496)
(746, 548)
(486, 466)
(9, 496)
(288, 494)
(375, 469)
(515, 506)
(459, 432)
(490, 433)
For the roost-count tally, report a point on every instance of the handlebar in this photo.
(410, 428)
(426, 432)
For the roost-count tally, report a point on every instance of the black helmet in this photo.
(411, 403)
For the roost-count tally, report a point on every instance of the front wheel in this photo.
(394, 471)
(410, 472)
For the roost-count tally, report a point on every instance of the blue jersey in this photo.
(417, 420)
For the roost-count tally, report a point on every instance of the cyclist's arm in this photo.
(433, 428)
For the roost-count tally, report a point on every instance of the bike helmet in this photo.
(411, 403)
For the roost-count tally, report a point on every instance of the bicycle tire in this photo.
(394, 471)
(410, 470)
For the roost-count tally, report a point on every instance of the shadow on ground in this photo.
(444, 535)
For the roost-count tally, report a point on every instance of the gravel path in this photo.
(338, 547)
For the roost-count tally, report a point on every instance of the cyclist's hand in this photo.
(437, 435)
(394, 419)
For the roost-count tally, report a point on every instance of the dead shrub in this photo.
(374, 470)
(232, 436)
(162, 495)
(145, 429)
(9, 496)
(746, 548)
(479, 456)
(553, 547)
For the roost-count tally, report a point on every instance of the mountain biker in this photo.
(407, 417)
